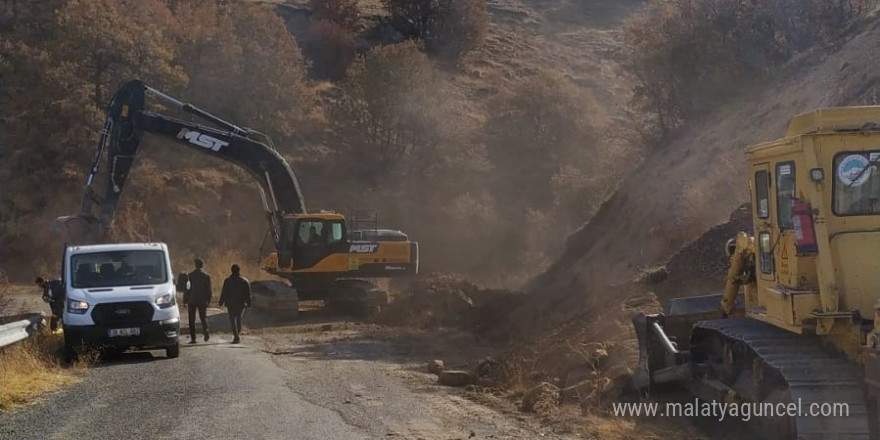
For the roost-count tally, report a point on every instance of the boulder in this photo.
(455, 378)
(486, 366)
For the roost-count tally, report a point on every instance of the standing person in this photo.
(197, 298)
(53, 293)
(236, 294)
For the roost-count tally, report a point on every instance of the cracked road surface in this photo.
(330, 381)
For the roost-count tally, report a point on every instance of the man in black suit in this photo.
(236, 294)
(197, 297)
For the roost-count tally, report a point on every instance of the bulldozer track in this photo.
(812, 375)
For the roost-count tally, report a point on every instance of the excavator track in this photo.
(278, 299)
(356, 297)
(764, 363)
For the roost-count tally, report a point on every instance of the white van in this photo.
(120, 296)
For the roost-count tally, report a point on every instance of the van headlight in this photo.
(77, 307)
(165, 301)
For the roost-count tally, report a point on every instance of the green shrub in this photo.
(688, 55)
(330, 48)
(344, 13)
(450, 28)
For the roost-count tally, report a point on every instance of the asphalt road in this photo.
(324, 384)
(213, 391)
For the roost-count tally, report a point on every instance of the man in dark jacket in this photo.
(53, 293)
(236, 294)
(197, 298)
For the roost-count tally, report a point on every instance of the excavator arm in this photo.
(127, 122)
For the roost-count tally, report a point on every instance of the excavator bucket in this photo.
(77, 230)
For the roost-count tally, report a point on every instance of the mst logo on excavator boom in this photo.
(201, 139)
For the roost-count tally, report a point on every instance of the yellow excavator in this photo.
(798, 322)
(317, 252)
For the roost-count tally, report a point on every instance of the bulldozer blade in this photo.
(664, 339)
(77, 229)
(683, 313)
(641, 377)
(698, 305)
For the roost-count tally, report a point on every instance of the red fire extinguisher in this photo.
(805, 234)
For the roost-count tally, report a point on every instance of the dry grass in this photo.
(34, 367)
(218, 262)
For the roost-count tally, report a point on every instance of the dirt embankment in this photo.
(700, 268)
(445, 300)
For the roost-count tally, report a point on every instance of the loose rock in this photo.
(455, 378)
(436, 366)
(486, 366)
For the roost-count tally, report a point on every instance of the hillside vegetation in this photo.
(451, 118)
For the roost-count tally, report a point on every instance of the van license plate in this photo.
(135, 331)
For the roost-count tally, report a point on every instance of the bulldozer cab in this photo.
(308, 238)
(815, 202)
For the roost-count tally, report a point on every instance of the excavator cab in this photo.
(322, 243)
(308, 239)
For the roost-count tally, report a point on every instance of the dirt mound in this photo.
(445, 300)
(701, 267)
(588, 359)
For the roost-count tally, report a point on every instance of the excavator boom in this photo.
(127, 122)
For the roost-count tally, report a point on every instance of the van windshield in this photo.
(118, 268)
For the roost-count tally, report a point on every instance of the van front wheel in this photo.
(173, 351)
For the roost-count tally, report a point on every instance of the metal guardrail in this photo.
(20, 329)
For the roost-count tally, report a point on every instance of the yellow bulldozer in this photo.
(797, 328)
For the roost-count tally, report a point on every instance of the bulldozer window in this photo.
(762, 191)
(856, 183)
(766, 251)
(785, 195)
